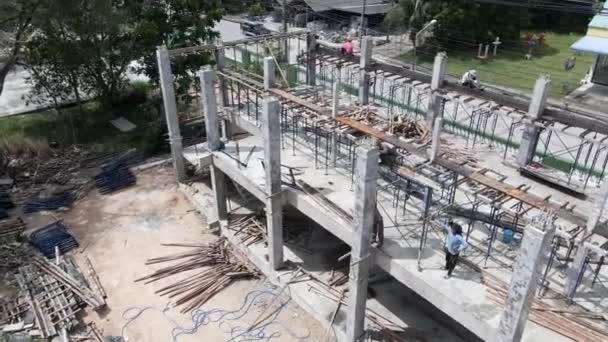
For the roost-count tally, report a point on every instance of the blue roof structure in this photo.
(593, 44)
(594, 41)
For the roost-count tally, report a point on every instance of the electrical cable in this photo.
(201, 317)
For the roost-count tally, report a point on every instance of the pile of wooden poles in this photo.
(219, 266)
(250, 229)
(411, 129)
(564, 322)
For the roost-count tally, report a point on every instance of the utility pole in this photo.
(284, 30)
(362, 21)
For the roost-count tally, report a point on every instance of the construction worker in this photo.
(347, 47)
(469, 79)
(454, 244)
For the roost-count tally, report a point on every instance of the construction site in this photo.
(331, 178)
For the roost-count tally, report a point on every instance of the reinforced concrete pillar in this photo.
(364, 87)
(170, 107)
(529, 139)
(434, 108)
(364, 62)
(533, 256)
(367, 46)
(439, 70)
(220, 60)
(271, 108)
(574, 272)
(212, 127)
(366, 175)
(269, 73)
(436, 142)
(335, 104)
(311, 61)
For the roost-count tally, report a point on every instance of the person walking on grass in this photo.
(454, 244)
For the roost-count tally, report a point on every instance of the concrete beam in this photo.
(271, 108)
(531, 133)
(269, 73)
(366, 178)
(170, 107)
(533, 255)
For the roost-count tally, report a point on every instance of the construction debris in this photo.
(11, 228)
(55, 235)
(113, 177)
(560, 321)
(62, 200)
(5, 204)
(220, 265)
(49, 297)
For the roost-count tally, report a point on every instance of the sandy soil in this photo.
(119, 232)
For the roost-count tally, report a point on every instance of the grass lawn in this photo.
(511, 69)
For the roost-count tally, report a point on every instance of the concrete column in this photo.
(366, 175)
(364, 62)
(529, 139)
(269, 73)
(170, 106)
(436, 141)
(212, 127)
(533, 255)
(271, 108)
(311, 64)
(367, 46)
(582, 252)
(335, 104)
(439, 70)
(433, 110)
(364, 88)
(220, 60)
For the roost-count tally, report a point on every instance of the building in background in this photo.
(594, 91)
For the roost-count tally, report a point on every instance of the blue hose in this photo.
(201, 317)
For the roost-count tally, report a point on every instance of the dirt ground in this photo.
(119, 232)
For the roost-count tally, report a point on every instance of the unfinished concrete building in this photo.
(346, 141)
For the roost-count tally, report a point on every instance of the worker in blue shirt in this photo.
(454, 244)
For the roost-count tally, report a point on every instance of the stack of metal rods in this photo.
(220, 265)
(561, 321)
(54, 202)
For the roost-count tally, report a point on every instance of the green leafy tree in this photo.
(460, 20)
(87, 47)
(16, 18)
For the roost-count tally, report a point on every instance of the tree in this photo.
(461, 20)
(88, 47)
(16, 17)
(176, 23)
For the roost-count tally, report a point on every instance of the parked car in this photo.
(254, 29)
